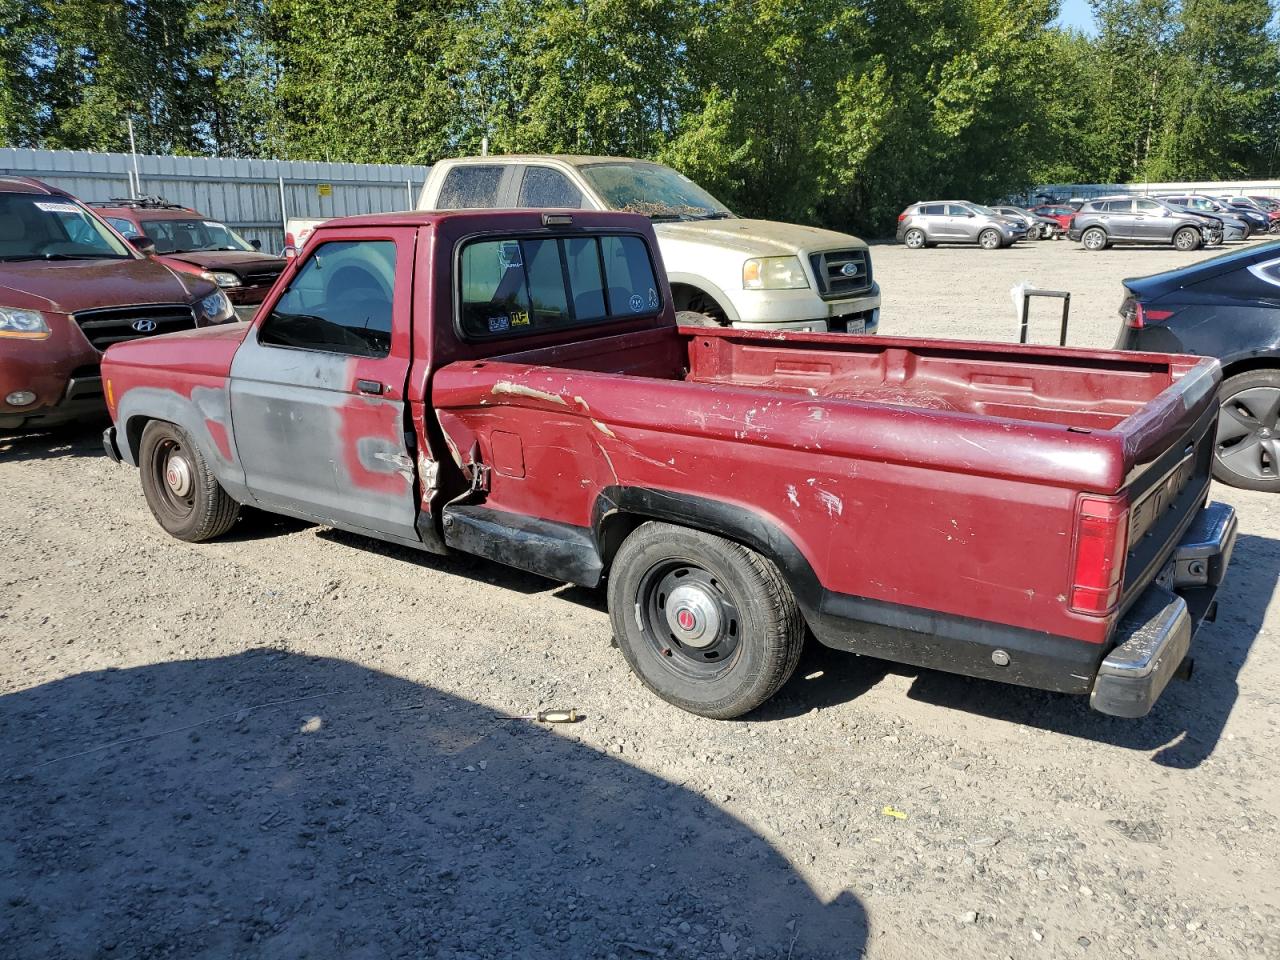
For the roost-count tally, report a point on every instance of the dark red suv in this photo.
(188, 240)
(70, 286)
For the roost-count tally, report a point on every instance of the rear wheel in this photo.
(915, 239)
(990, 240)
(1188, 238)
(182, 492)
(1247, 453)
(1095, 238)
(705, 623)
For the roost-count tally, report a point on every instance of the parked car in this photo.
(1058, 213)
(725, 270)
(189, 240)
(1226, 307)
(1269, 205)
(1038, 227)
(70, 286)
(1249, 208)
(514, 385)
(1234, 227)
(1100, 223)
(928, 223)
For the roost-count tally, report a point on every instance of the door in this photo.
(961, 223)
(317, 388)
(1152, 221)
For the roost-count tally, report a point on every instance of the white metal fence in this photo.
(252, 196)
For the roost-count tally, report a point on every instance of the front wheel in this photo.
(989, 240)
(1187, 239)
(705, 623)
(182, 492)
(1247, 452)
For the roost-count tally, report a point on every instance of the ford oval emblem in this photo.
(850, 269)
(144, 326)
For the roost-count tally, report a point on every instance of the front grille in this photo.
(830, 268)
(111, 325)
(260, 279)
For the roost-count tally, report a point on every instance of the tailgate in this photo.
(1168, 449)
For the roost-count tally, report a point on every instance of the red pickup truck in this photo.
(514, 385)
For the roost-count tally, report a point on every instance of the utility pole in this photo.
(135, 188)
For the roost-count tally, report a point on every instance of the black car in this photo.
(1226, 307)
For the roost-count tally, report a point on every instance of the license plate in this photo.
(857, 326)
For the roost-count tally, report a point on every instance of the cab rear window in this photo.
(524, 285)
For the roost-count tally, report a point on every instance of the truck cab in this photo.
(514, 385)
(724, 270)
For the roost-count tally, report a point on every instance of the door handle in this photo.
(369, 386)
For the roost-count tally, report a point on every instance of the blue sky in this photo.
(1076, 13)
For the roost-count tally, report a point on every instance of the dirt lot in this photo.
(287, 744)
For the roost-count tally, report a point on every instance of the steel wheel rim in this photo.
(676, 592)
(1248, 440)
(174, 477)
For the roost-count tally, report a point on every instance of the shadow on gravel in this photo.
(73, 440)
(1184, 727)
(300, 807)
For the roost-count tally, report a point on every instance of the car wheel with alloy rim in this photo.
(1247, 452)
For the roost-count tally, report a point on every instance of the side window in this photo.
(545, 187)
(1120, 206)
(516, 286)
(125, 227)
(338, 302)
(933, 210)
(1149, 207)
(469, 187)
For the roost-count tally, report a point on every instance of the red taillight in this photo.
(1138, 316)
(903, 215)
(1102, 527)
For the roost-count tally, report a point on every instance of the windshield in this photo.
(181, 236)
(656, 191)
(41, 227)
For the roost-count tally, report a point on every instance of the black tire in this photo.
(1247, 451)
(692, 318)
(182, 492)
(729, 593)
(915, 239)
(1095, 238)
(990, 240)
(1188, 239)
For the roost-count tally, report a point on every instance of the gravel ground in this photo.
(289, 744)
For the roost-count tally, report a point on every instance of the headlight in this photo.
(773, 273)
(216, 308)
(22, 324)
(224, 279)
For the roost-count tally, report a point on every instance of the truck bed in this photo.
(926, 485)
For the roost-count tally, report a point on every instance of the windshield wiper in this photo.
(714, 215)
(61, 256)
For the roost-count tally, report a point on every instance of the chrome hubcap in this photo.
(177, 474)
(693, 616)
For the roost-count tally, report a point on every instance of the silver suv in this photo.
(1107, 220)
(957, 221)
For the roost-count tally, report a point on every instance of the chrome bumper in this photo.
(1154, 635)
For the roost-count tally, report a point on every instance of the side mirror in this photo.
(255, 243)
(144, 245)
(970, 214)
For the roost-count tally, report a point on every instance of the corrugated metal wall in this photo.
(242, 193)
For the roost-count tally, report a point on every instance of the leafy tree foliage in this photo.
(831, 111)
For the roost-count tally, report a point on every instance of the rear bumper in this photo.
(1154, 636)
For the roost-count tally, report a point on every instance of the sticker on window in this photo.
(499, 324)
(52, 207)
(509, 256)
(520, 318)
(653, 299)
(636, 302)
